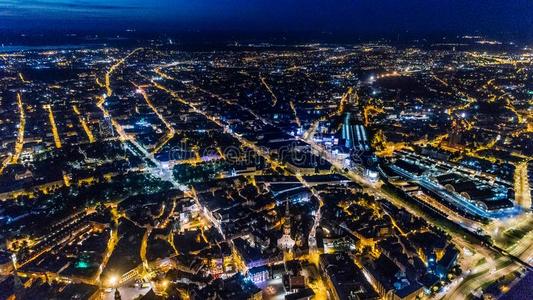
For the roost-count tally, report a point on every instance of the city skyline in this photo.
(266, 150)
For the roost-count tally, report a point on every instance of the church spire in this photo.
(286, 242)
(287, 224)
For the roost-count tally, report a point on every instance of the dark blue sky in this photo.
(514, 17)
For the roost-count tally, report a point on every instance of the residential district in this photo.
(262, 171)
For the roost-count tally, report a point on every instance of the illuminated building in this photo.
(286, 243)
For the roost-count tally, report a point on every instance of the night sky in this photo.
(509, 17)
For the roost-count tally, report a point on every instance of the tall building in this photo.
(454, 138)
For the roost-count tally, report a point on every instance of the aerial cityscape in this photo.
(135, 167)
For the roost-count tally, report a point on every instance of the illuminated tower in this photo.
(286, 243)
(287, 224)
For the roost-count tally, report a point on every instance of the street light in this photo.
(165, 283)
(112, 281)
